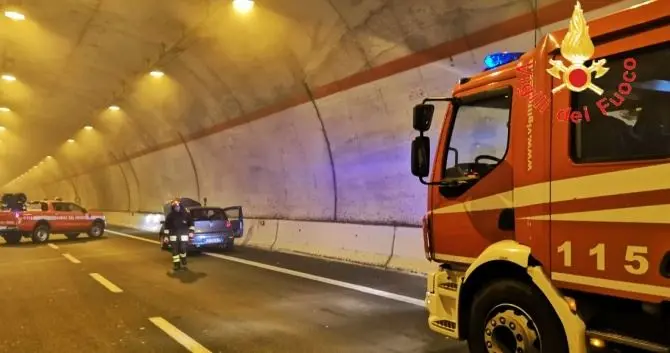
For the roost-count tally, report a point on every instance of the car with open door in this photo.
(215, 227)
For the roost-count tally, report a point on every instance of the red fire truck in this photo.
(38, 219)
(549, 196)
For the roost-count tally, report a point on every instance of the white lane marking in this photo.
(106, 283)
(612, 284)
(133, 236)
(179, 336)
(71, 258)
(53, 246)
(356, 287)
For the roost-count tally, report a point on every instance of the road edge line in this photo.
(355, 287)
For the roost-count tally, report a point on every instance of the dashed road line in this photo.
(71, 258)
(356, 287)
(179, 336)
(106, 283)
(53, 246)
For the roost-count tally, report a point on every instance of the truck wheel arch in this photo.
(509, 259)
(41, 222)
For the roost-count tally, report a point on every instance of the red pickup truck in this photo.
(41, 218)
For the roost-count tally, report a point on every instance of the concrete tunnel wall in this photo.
(340, 158)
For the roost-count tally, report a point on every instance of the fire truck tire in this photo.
(41, 234)
(516, 317)
(12, 238)
(97, 230)
(72, 236)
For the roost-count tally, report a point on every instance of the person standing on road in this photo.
(179, 226)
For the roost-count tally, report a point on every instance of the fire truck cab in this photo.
(548, 196)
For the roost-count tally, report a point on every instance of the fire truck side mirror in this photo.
(421, 156)
(423, 116)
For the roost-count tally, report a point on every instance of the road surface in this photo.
(119, 294)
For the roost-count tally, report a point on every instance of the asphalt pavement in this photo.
(119, 294)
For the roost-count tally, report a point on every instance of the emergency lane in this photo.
(51, 304)
(234, 307)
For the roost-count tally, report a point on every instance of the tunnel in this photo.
(298, 112)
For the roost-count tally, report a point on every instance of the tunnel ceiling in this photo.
(74, 58)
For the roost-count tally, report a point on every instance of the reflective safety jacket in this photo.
(178, 223)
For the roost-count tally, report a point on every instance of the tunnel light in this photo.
(49, 157)
(243, 6)
(5, 109)
(157, 73)
(70, 140)
(114, 107)
(16, 16)
(2, 128)
(8, 77)
(88, 127)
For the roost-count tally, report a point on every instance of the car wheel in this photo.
(41, 234)
(97, 230)
(512, 316)
(72, 236)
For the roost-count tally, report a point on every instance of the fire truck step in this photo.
(453, 286)
(627, 341)
(445, 324)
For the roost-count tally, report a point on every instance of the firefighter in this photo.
(179, 226)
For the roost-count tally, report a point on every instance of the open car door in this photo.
(236, 219)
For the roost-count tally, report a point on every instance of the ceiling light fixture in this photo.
(70, 140)
(243, 6)
(2, 128)
(8, 77)
(5, 109)
(14, 15)
(88, 127)
(157, 73)
(114, 107)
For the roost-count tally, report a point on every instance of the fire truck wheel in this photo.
(12, 238)
(512, 316)
(72, 236)
(41, 234)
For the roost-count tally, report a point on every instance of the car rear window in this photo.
(208, 214)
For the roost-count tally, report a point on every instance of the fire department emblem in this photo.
(577, 48)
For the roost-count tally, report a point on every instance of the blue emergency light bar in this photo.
(494, 60)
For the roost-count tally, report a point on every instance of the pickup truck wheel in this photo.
(41, 234)
(12, 238)
(512, 316)
(97, 230)
(72, 236)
